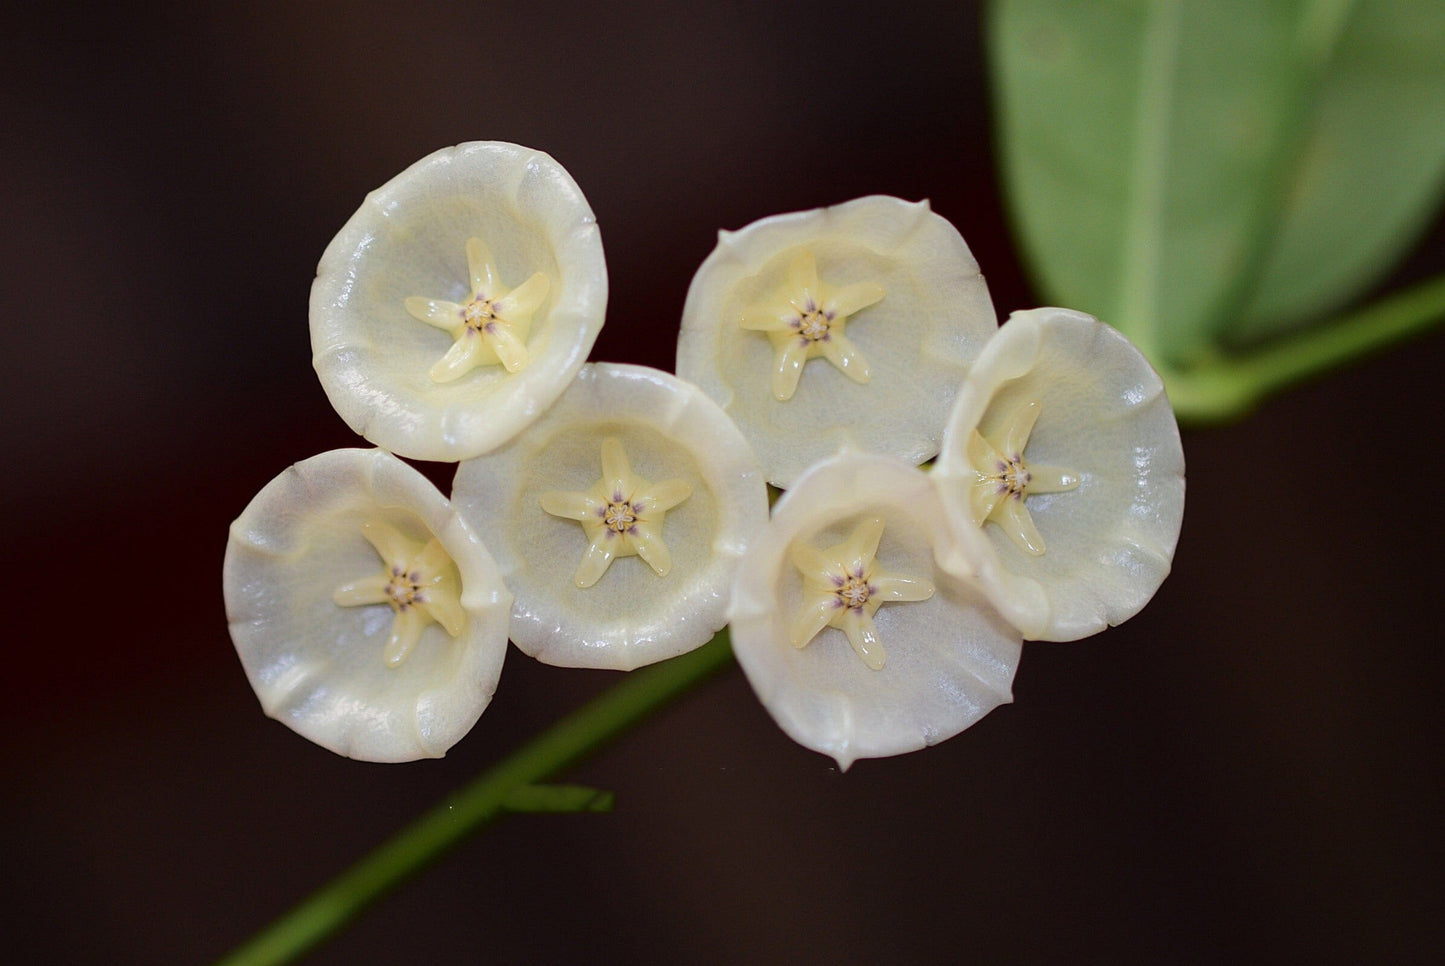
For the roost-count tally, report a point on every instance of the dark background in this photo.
(1248, 770)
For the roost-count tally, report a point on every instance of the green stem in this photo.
(1228, 388)
(477, 804)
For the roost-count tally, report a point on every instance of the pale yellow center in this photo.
(1012, 476)
(620, 516)
(843, 587)
(478, 313)
(813, 326)
(419, 581)
(1005, 479)
(854, 592)
(404, 589)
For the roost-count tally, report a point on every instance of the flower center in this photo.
(618, 525)
(418, 581)
(621, 514)
(843, 587)
(999, 495)
(491, 327)
(404, 589)
(478, 314)
(813, 326)
(805, 319)
(1012, 477)
(854, 591)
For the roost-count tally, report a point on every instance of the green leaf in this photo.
(1367, 177)
(1211, 173)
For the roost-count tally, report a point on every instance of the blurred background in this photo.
(1250, 769)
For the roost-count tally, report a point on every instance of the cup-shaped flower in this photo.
(848, 326)
(853, 637)
(617, 518)
(1063, 475)
(368, 616)
(459, 301)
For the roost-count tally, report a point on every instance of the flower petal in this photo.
(665, 431)
(766, 318)
(524, 300)
(902, 588)
(1103, 415)
(838, 350)
(368, 590)
(390, 544)
(412, 239)
(596, 559)
(664, 495)
(448, 612)
(651, 548)
(788, 369)
(406, 630)
(1020, 425)
(616, 471)
(573, 506)
(914, 343)
(479, 268)
(854, 298)
(509, 349)
(465, 355)
(863, 637)
(862, 544)
(950, 656)
(1014, 518)
(810, 619)
(320, 667)
(443, 315)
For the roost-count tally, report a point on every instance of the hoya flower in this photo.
(853, 637)
(459, 301)
(848, 326)
(1063, 475)
(617, 518)
(368, 616)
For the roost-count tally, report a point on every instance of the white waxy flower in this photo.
(848, 326)
(367, 614)
(1063, 475)
(617, 518)
(853, 637)
(459, 301)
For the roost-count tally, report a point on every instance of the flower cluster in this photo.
(612, 515)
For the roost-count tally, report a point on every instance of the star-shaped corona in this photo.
(491, 327)
(418, 581)
(621, 515)
(1006, 480)
(844, 586)
(807, 321)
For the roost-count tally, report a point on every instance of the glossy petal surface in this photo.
(319, 665)
(950, 656)
(917, 312)
(528, 497)
(409, 258)
(1102, 414)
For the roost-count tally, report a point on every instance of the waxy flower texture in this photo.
(612, 516)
